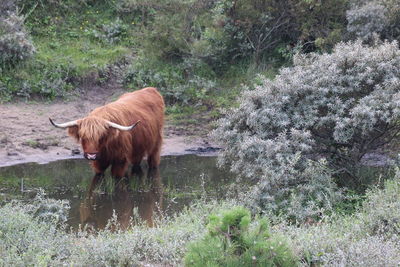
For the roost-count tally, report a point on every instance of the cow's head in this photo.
(92, 132)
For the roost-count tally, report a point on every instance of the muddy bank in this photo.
(27, 136)
(173, 145)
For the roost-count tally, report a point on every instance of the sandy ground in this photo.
(26, 134)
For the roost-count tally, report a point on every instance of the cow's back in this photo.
(145, 105)
(146, 100)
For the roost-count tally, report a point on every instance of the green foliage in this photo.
(49, 210)
(30, 234)
(112, 32)
(310, 195)
(192, 44)
(213, 35)
(208, 31)
(219, 32)
(179, 83)
(36, 78)
(232, 240)
(67, 48)
(320, 24)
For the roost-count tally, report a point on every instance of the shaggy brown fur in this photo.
(116, 147)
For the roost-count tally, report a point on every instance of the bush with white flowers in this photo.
(15, 43)
(337, 106)
(374, 17)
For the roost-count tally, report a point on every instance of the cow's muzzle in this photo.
(91, 156)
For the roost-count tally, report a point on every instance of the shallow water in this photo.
(180, 180)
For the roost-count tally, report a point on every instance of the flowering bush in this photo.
(15, 42)
(337, 106)
(366, 18)
(7, 6)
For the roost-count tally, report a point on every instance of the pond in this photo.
(180, 180)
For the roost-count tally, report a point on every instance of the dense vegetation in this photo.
(316, 120)
(195, 51)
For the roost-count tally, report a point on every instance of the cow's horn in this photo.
(64, 125)
(120, 127)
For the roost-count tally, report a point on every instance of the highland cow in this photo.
(121, 132)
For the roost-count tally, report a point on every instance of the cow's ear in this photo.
(73, 131)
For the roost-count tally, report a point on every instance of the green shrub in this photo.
(112, 32)
(34, 234)
(233, 241)
(221, 32)
(310, 196)
(39, 78)
(332, 244)
(178, 83)
(49, 210)
(317, 25)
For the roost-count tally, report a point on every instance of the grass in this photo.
(14, 184)
(72, 41)
(368, 237)
(67, 49)
(84, 54)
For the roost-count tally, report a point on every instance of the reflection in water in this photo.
(97, 209)
(183, 178)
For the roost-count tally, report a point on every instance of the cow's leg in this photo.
(95, 180)
(99, 167)
(136, 158)
(118, 169)
(154, 158)
(137, 170)
(154, 175)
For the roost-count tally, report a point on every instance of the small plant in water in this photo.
(233, 240)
